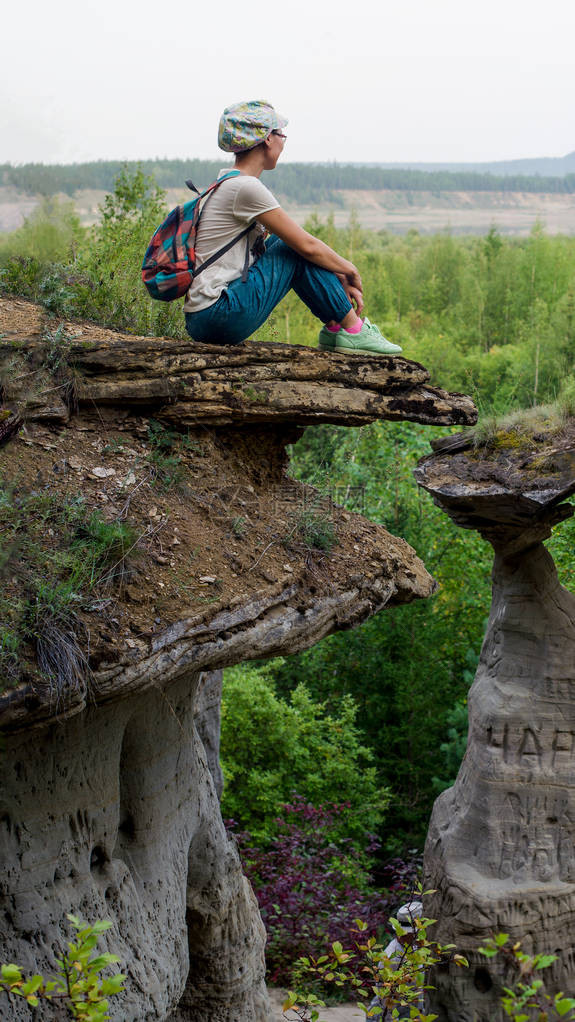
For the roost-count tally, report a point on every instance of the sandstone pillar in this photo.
(501, 845)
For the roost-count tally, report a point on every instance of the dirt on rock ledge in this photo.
(215, 517)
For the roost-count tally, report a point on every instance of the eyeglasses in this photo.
(280, 134)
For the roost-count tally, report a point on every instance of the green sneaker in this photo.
(369, 341)
(326, 339)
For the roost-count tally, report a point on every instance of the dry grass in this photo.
(518, 428)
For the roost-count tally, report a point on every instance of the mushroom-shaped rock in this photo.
(500, 851)
(109, 775)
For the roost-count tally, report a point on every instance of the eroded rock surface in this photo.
(114, 815)
(208, 722)
(501, 845)
(187, 384)
(108, 793)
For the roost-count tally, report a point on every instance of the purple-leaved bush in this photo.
(309, 889)
(400, 877)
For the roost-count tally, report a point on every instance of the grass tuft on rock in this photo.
(522, 427)
(57, 558)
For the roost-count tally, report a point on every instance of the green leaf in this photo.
(11, 973)
(32, 985)
(101, 925)
(113, 985)
(544, 961)
(102, 961)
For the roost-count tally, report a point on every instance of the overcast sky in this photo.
(369, 80)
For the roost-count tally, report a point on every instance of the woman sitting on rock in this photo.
(235, 294)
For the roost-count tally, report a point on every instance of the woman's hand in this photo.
(356, 298)
(353, 292)
(352, 278)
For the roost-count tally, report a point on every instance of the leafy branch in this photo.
(528, 1000)
(77, 984)
(385, 981)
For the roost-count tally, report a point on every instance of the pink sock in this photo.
(334, 329)
(355, 329)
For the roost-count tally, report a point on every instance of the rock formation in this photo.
(501, 846)
(108, 770)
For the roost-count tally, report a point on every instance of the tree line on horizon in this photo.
(301, 182)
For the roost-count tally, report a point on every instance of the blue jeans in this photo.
(242, 308)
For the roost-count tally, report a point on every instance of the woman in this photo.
(235, 294)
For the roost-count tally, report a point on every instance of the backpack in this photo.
(169, 264)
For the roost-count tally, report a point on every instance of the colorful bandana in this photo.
(245, 125)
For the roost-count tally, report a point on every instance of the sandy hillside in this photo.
(397, 211)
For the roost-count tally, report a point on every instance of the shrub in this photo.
(51, 234)
(272, 748)
(527, 998)
(390, 984)
(21, 275)
(77, 985)
(309, 889)
(112, 257)
(93, 274)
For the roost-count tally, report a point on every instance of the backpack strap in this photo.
(218, 181)
(247, 258)
(195, 223)
(226, 248)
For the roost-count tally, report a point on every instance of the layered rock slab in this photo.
(188, 384)
(108, 793)
(501, 845)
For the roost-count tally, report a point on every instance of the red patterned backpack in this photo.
(169, 264)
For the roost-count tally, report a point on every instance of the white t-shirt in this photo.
(234, 205)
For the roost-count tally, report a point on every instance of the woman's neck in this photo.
(251, 163)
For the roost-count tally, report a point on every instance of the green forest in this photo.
(373, 719)
(301, 182)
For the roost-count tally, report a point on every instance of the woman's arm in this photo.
(278, 222)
